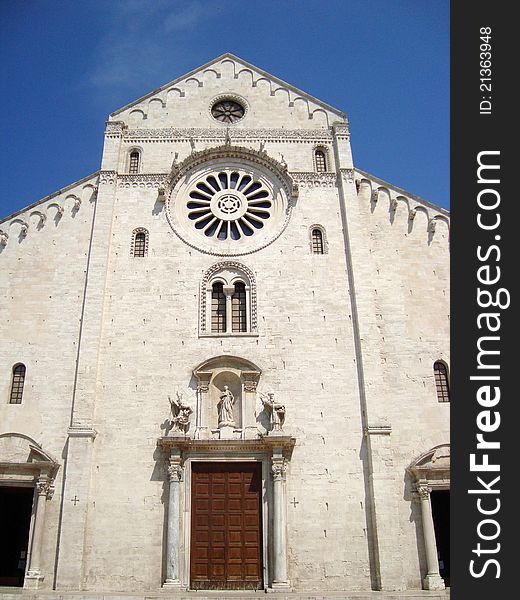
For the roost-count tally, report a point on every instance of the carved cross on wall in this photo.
(294, 502)
(75, 499)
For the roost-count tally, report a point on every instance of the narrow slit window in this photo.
(441, 381)
(134, 162)
(17, 384)
(238, 308)
(140, 244)
(317, 241)
(218, 308)
(321, 165)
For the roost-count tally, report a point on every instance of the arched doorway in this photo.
(431, 478)
(27, 473)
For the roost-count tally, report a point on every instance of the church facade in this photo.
(225, 358)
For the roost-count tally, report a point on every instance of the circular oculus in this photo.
(227, 111)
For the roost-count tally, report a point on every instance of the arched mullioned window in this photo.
(17, 384)
(440, 371)
(228, 300)
(320, 160)
(139, 246)
(134, 163)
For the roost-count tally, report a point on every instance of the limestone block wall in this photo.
(401, 269)
(150, 346)
(42, 279)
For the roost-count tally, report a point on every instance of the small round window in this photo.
(227, 111)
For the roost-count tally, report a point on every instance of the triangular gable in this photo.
(240, 68)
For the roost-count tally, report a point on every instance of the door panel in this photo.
(226, 540)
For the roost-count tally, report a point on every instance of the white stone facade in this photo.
(346, 340)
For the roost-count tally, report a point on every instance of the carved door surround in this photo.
(273, 453)
(430, 472)
(241, 376)
(24, 463)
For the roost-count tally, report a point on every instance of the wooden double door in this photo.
(226, 526)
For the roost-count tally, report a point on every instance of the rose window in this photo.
(227, 111)
(229, 205)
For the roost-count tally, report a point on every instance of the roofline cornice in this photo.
(403, 192)
(49, 197)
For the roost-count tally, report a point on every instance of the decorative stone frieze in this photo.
(348, 175)
(216, 134)
(142, 181)
(309, 179)
(107, 177)
(114, 129)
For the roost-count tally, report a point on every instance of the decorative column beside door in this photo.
(34, 576)
(279, 469)
(175, 471)
(433, 579)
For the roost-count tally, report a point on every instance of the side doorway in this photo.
(15, 520)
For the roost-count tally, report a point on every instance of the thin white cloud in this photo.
(144, 41)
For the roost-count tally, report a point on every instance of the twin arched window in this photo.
(228, 308)
(440, 372)
(228, 300)
(17, 383)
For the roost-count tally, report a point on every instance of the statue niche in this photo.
(226, 396)
(226, 399)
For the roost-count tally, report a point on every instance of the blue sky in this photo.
(68, 64)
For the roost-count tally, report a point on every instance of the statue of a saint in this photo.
(181, 412)
(225, 408)
(275, 410)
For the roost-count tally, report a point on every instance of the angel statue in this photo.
(275, 410)
(181, 412)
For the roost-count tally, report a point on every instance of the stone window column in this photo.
(34, 575)
(175, 471)
(279, 469)
(229, 290)
(433, 580)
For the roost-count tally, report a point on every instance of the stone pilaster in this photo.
(77, 472)
(385, 509)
